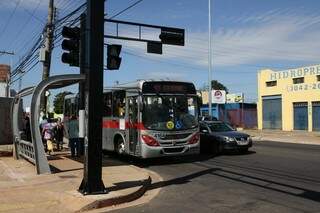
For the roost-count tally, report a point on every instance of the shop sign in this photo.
(235, 98)
(303, 87)
(295, 73)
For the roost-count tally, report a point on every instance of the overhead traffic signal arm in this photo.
(168, 35)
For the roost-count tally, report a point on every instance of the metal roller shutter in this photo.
(300, 114)
(316, 116)
(272, 112)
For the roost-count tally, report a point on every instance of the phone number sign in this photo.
(303, 87)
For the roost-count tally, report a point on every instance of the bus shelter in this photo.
(33, 150)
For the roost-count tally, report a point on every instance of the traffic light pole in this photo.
(92, 179)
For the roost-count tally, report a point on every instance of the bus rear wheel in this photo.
(119, 146)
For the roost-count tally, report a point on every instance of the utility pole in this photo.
(48, 50)
(92, 178)
(209, 62)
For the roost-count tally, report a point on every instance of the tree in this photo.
(58, 101)
(216, 85)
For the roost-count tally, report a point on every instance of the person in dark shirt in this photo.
(59, 130)
(27, 128)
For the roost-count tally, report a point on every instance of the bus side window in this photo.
(119, 103)
(107, 104)
(67, 107)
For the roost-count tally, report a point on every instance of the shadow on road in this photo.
(182, 180)
(255, 180)
(238, 153)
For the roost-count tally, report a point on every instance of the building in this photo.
(233, 111)
(290, 99)
(4, 79)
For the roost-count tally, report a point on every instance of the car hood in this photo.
(232, 134)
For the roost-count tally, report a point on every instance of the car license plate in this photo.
(242, 142)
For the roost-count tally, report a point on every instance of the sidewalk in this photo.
(23, 191)
(302, 137)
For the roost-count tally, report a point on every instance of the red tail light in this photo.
(150, 141)
(195, 138)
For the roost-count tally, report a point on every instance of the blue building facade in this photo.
(236, 114)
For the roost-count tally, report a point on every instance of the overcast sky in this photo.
(248, 35)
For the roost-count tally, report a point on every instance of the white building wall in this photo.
(3, 88)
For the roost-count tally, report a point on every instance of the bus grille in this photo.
(175, 136)
(172, 143)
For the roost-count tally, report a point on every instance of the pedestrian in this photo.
(27, 129)
(59, 130)
(48, 135)
(73, 131)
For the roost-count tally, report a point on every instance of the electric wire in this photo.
(19, 33)
(29, 61)
(10, 18)
(125, 9)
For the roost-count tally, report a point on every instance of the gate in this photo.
(300, 115)
(316, 116)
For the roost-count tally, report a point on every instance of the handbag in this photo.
(49, 145)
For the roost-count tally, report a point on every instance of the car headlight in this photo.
(228, 139)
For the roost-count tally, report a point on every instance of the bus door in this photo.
(132, 101)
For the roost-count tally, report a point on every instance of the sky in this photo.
(247, 36)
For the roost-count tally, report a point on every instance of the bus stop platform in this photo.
(22, 190)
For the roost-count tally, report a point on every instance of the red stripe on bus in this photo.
(114, 124)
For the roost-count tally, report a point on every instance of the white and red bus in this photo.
(151, 119)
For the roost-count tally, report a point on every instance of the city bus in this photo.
(151, 119)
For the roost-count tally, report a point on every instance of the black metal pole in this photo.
(83, 62)
(92, 179)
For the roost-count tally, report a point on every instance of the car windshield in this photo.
(170, 112)
(220, 127)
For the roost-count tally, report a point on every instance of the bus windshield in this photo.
(170, 112)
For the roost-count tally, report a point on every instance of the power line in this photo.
(10, 17)
(30, 60)
(124, 10)
(25, 24)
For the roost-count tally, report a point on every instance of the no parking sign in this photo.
(218, 96)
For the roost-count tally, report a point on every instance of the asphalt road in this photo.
(272, 177)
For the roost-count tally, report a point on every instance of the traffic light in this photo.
(71, 43)
(113, 59)
(172, 36)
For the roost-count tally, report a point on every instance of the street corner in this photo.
(126, 185)
(126, 194)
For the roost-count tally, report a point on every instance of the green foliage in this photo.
(216, 85)
(58, 101)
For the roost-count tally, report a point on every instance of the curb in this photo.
(119, 200)
(279, 140)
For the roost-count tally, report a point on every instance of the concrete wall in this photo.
(5, 118)
(309, 91)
